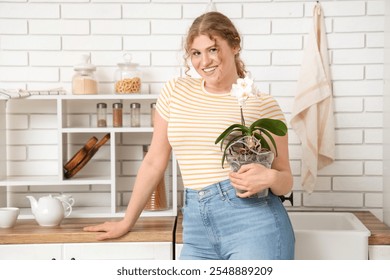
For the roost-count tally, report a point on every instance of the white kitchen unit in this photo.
(379, 252)
(118, 251)
(151, 238)
(103, 187)
(31, 252)
(88, 251)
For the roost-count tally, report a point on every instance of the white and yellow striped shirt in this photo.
(196, 118)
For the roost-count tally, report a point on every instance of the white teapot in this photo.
(49, 211)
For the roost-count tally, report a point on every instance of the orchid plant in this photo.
(242, 90)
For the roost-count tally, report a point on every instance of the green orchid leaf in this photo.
(237, 129)
(271, 139)
(230, 129)
(276, 127)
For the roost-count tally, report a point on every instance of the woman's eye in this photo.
(195, 53)
(213, 50)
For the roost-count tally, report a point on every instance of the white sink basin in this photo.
(329, 236)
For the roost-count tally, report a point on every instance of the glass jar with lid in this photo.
(135, 114)
(117, 114)
(127, 76)
(84, 80)
(101, 114)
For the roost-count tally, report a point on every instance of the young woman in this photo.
(222, 216)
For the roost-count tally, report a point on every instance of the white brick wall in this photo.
(40, 41)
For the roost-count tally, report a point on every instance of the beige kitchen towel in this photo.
(21, 93)
(312, 114)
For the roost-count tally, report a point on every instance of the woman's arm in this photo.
(253, 178)
(149, 175)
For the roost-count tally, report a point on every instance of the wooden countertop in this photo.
(380, 232)
(147, 229)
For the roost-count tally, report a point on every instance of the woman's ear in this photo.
(236, 50)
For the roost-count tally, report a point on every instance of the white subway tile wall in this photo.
(41, 40)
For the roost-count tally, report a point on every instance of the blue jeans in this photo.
(219, 225)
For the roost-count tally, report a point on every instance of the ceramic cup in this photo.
(8, 216)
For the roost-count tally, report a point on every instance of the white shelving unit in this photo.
(69, 127)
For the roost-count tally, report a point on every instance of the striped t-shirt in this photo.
(196, 118)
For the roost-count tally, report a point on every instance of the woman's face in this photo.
(214, 61)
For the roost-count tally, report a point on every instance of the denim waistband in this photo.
(219, 188)
(211, 190)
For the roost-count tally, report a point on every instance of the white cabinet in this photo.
(31, 252)
(118, 251)
(103, 187)
(379, 252)
(89, 251)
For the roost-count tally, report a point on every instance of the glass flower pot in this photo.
(245, 150)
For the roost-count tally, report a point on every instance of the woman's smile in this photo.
(209, 69)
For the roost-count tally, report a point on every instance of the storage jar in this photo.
(84, 80)
(127, 76)
(135, 114)
(117, 112)
(101, 114)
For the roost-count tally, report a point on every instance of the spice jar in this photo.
(127, 76)
(152, 113)
(158, 199)
(84, 80)
(117, 110)
(101, 114)
(135, 114)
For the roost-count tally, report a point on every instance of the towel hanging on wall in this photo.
(21, 93)
(312, 114)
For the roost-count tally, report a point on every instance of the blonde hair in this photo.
(215, 24)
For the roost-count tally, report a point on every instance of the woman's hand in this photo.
(251, 179)
(109, 230)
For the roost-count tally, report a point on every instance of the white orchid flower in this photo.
(242, 90)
